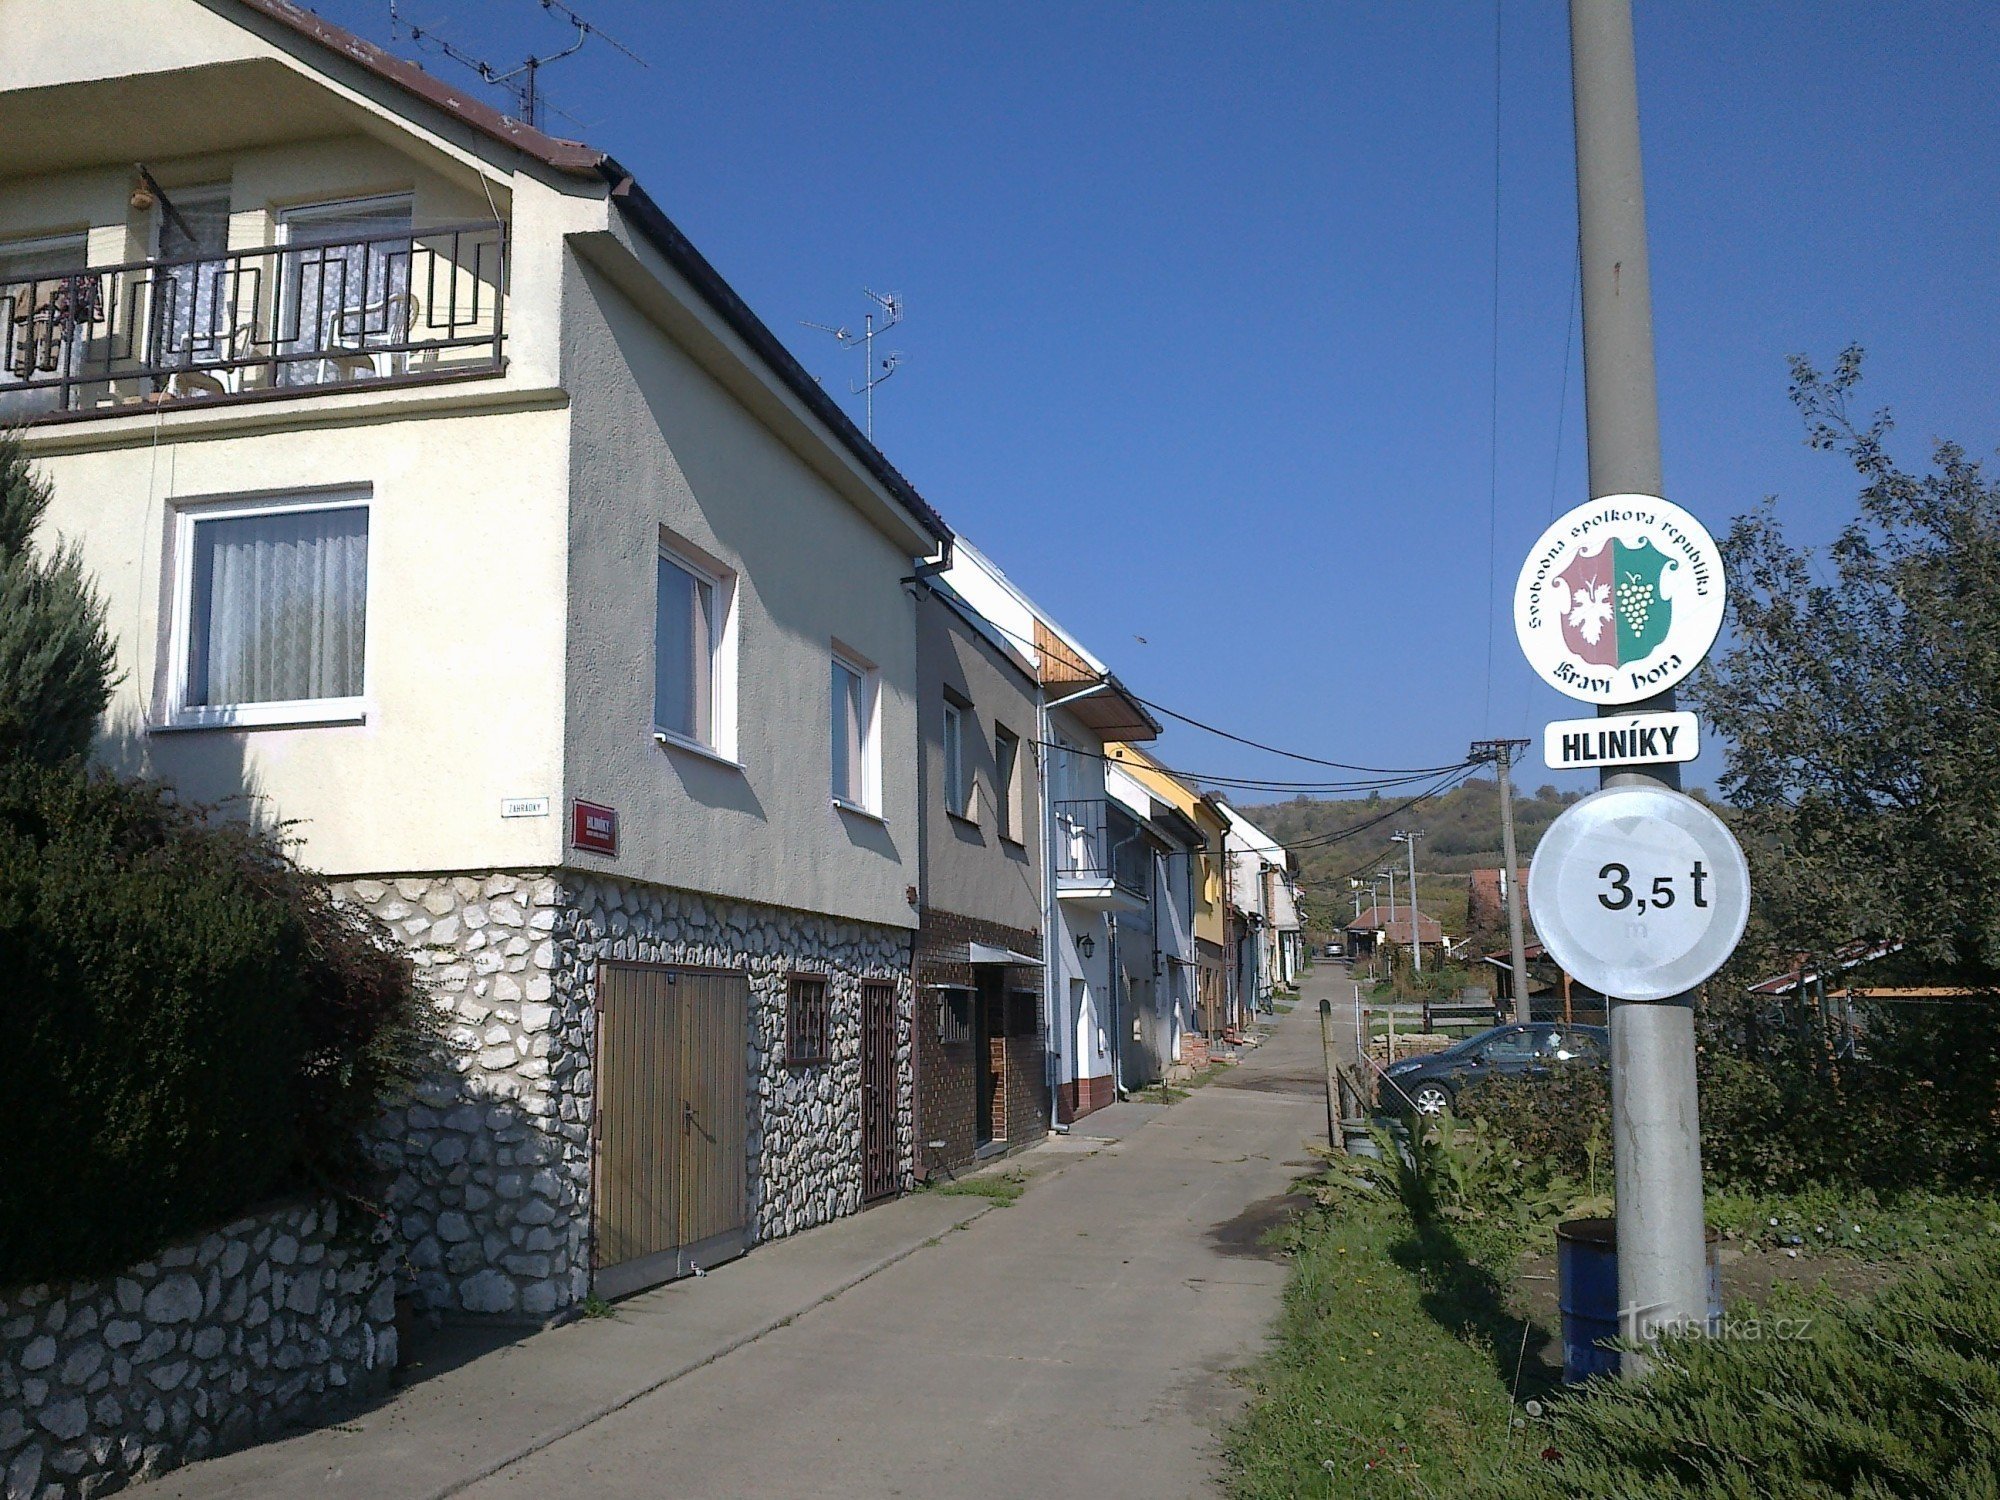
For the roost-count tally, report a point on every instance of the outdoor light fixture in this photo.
(1086, 945)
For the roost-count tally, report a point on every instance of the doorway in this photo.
(671, 1179)
(880, 1168)
(989, 1057)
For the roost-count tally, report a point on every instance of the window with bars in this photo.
(807, 1028)
(954, 1016)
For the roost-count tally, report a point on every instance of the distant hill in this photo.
(1461, 833)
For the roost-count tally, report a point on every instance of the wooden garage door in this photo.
(672, 1186)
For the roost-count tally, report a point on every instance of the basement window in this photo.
(807, 1028)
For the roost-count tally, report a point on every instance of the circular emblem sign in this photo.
(1620, 599)
(1639, 892)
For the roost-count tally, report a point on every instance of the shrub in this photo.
(1897, 1396)
(55, 654)
(191, 1024)
(1564, 1119)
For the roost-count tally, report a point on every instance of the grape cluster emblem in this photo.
(1617, 586)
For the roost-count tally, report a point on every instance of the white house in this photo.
(449, 504)
(1268, 936)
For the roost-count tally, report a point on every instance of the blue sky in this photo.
(1201, 296)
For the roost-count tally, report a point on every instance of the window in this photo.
(1515, 1046)
(685, 636)
(346, 288)
(806, 1028)
(954, 760)
(954, 1016)
(854, 759)
(273, 613)
(45, 313)
(1006, 758)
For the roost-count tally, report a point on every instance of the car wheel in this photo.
(1431, 1100)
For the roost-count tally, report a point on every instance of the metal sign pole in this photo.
(1662, 1275)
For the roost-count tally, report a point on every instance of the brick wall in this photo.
(947, 1087)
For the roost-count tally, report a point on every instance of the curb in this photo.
(597, 1414)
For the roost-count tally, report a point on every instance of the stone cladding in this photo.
(216, 1341)
(491, 1165)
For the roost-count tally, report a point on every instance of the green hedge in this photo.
(188, 1024)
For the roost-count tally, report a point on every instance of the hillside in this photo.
(1461, 832)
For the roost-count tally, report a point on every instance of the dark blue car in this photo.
(1429, 1085)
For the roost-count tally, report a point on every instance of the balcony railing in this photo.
(1099, 844)
(275, 320)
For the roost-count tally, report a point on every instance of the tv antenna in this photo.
(891, 306)
(522, 81)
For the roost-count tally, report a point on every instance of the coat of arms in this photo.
(1617, 613)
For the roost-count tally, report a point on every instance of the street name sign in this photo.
(1639, 892)
(1624, 740)
(1620, 599)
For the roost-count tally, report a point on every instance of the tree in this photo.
(56, 661)
(1860, 701)
(1860, 704)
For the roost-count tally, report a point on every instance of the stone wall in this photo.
(491, 1167)
(213, 1343)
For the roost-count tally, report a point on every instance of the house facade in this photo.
(450, 508)
(1200, 826)
(1099, 868)
(982, 1084)
(1267, 937)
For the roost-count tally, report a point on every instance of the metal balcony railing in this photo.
(270, 321)
(1098, 842)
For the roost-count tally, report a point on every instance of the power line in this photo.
(1311, 760)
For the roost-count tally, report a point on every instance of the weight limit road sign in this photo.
(1639, 892)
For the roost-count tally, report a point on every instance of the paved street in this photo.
(1082, 1338)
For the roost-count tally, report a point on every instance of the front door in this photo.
(989, 1059)
(671, 1185)
(880, 1174)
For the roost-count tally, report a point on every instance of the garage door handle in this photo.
(687, 1115)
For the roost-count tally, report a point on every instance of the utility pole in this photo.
(1501, 753)
(1388, 933)
(1416, 915)
(1656, 1138)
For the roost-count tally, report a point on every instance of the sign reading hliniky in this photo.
(1623, 740)
(1620, 599)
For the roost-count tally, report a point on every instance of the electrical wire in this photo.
(1493, 416)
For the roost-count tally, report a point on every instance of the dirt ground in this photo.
(1749, 1275)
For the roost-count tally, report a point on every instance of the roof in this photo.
(1397, 927)
(1847, 956)
(580, 160)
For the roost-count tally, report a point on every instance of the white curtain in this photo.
(345, 287)
(279, 607)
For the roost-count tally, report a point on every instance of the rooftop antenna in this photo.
(522, 81)
(891, 304)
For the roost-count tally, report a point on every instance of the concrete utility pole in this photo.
(1501, 753)
(1656, 1138)
(1416, 913)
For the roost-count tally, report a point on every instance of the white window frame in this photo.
(870, 804)
(722, 687)
(297, 711)
(957, 785)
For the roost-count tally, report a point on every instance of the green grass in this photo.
(1001, 1187)
(1392, 1369)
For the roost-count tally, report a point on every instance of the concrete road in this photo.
(1079, 1341)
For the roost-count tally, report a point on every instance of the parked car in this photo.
(1430, 1085)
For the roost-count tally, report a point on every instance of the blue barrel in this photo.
(1587, 1281)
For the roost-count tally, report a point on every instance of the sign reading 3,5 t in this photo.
(1639, 892)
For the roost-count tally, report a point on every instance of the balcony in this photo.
(1101, 857)
(272, 322)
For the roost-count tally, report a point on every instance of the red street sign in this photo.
(594, 827)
